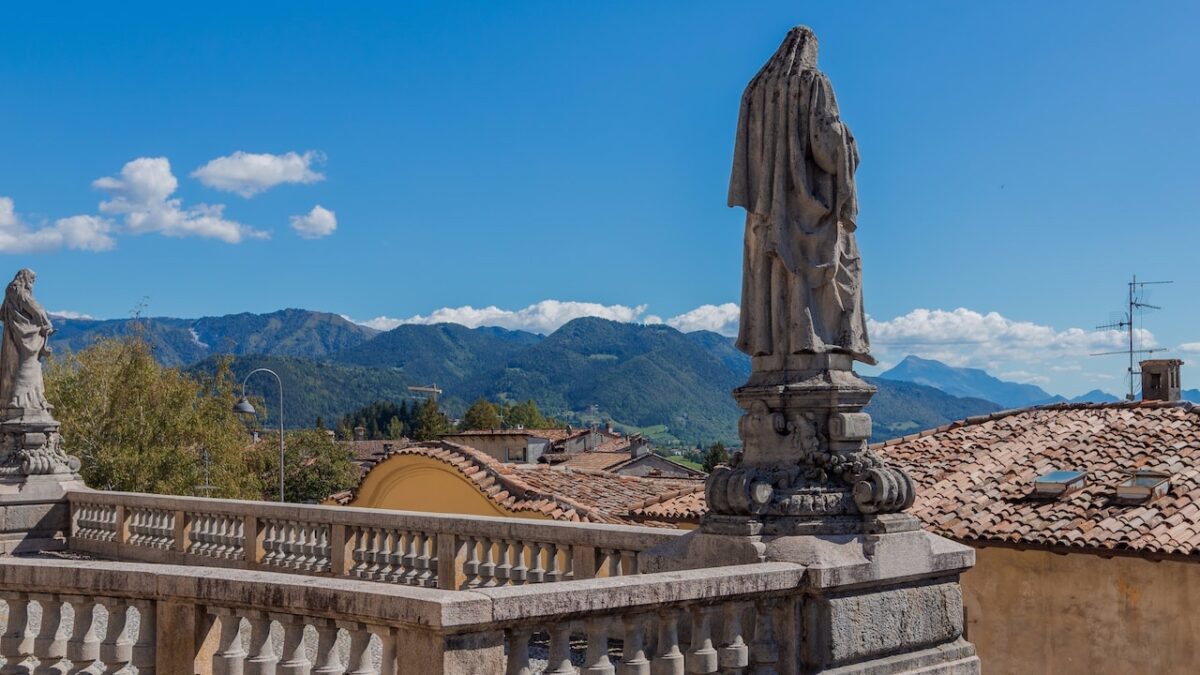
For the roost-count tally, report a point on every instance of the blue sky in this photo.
(1020, 162)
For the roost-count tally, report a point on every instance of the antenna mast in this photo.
(1135, 303)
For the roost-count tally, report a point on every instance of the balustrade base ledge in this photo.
(34, 513)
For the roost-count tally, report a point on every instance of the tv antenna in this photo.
(1125, 321)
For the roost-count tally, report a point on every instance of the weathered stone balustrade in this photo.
(413, 549)
(169, 619)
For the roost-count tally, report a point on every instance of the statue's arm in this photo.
(828, 137)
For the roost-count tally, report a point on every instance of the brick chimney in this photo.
(1160, 380)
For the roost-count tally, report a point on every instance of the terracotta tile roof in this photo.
(552, 435)
(366, 452)
(975, 476)
(685, 505)
(560, 493)
(596, 460)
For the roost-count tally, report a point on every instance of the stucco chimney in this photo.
(360, 433)
(1160, 380)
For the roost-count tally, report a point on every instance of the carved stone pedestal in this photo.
(35, 474)
(881, 595)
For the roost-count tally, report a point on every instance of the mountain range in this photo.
(654, 379)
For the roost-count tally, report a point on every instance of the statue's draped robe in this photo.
(793, 172)
(23, 344)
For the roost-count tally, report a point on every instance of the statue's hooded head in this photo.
(24, 279)
(798, 51)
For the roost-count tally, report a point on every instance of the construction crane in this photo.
(431, 391)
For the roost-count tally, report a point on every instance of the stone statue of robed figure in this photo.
(793, 172)
(30, 444)
(27, 330)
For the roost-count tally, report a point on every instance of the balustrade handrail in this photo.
(633, 537)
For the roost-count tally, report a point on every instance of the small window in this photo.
(1156, 381)
(515, 455)
(1059, 483)
(1144, 486)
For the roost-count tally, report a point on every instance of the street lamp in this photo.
(243, 406)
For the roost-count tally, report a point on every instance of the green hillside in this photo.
(313, 388)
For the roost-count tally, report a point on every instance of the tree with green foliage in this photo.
(481, 415)
(395, 429)
(529, 416)
(141, 427)
(716, 455)
(377, 418)
(320, 424)
(315, 466)
(431, 422)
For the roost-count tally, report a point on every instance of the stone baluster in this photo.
(427, 562)
(764, 651)
(359, 555)
(263, 659)
(145, 645)
(734, 655)
(323, 551)
(396, 551)
(518, 652)
(560, 650)
(308, 547)
(366, 563)
(239, 538)
(199, 534)
(136, 527)
(702, 657)
(360, 649)
(295, 654)
(597, 661)
(269, 543)
(83, 645)
(409, 561)
(223, 537)
(669, 659)
(289, 545)
(383, 553)
(633, 658)
(555, 571)
(230, 656)
(328, 660)
(16, 643)
(503, 569)
(520, 571)
(471, 563)
(487, 568)
(50, 644)
(537, 573)
(116, 649)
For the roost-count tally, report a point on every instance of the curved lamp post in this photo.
(243, 406)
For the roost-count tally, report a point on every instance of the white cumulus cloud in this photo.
(142, 195)
(966, 337)
(249, 173)
(722, 319)
(317, 223)
(1190, 347)
(541, 317)
(83, 233)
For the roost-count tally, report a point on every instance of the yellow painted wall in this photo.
(1033, 612)
(415, 483)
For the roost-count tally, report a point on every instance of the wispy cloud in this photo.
(248, 173)
(317, 223)
(142, 195)
(82, 233)
(68, 314)
(541, 317)
(1190, 347)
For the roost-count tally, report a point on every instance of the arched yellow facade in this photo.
(409, 482)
